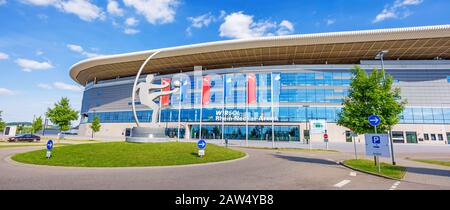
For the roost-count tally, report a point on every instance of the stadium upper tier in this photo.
(415, 43)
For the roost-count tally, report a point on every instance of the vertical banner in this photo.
(251, 90)
(165, 100)
(206, 91)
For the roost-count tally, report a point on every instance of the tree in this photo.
(95, 126)
(36, 125)
(62, 114)
(371, 94)
(2, 123)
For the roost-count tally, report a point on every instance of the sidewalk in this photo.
(426, 173)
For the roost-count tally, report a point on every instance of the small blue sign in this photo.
(49, 145)
(374, 120)
(376, 140)
(201, 144)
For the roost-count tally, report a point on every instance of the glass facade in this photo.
(279, 97)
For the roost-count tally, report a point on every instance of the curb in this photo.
(9, 160)
(370, 173)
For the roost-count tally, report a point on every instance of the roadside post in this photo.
(354, 144)
(325, 139)
(49, 148)
(201, 146)
(226, 142)
(374, 120)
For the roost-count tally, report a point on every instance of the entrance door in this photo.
(448, 138)
(411, 137)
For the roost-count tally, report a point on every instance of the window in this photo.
(426, 137)
(448, 78)
(433, 137)
(397, 137)
(440, 137)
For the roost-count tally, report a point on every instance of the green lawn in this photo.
(396, 172)
(435, 162)
(123, 154)
(292, 149)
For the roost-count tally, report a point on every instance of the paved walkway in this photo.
(263, 169)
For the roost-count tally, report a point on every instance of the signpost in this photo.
(374, 120)
(377, 145)
(325, 139)
(49, 148)
(201, 146)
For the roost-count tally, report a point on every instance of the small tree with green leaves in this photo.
(95, 125)
(62, 114)
(36, 125)
(371, 94)
(2, 123)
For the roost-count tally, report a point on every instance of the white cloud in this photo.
(64, 86)
(2, 2)
(55, 3)
(84, 9)
(131, 21)
(39, 52)
(397, 10)
(4, 91)
(44, 86)
(114, 8)
(239, 25)
(331, 21)
(285, 28)
(4, 56)
(130, 31)
(155, 11)
(80, 50)
(29, 65)
(200, 22)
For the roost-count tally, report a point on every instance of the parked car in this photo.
(25, 137)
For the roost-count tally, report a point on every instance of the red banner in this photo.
(206, 95)
(165, 100)
(251, 88)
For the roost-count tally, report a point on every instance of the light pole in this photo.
(380, 56)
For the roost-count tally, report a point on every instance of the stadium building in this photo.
(274, 87)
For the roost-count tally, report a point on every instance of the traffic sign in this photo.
(201, 144)
(377, 145)
(374, 120)
(325, 136)
(49, 144)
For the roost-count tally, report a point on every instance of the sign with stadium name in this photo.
(239, 116)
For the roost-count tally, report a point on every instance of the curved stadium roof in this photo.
(415, 43)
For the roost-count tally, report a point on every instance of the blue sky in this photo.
(41, 39)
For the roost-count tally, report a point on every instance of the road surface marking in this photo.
(342, 183)
(394, 186)
(352, 173)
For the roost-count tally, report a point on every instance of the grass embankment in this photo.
(292, 149)
(123, 154)
(396, 172)
(434, 162)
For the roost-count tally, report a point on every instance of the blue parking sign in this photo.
(376, 140)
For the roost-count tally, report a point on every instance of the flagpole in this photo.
(179, 107)
(271, 99)
(201, 107)
(223, 105)
(246, 112)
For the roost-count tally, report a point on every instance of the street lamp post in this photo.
(380, 56)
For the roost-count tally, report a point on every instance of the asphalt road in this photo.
(261, 170)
